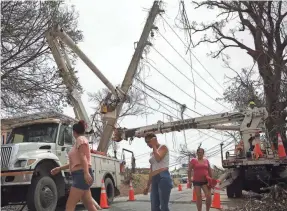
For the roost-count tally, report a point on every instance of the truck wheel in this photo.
(42, 194)
(4, 201)
(230, 191)
(238, 188)
(110, 190)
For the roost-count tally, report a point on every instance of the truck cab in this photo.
(33, 149)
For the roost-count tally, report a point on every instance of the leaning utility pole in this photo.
(132, 69)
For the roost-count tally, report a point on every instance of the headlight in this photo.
(31, 161)
(20, 163)
(23, 163)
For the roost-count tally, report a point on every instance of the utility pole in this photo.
(132, 69)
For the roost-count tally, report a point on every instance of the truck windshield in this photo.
(45, 132)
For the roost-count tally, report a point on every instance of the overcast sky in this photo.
(110, 29)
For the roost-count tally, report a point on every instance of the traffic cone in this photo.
(179, 187)
(193, 195)
(281, 149)
(216, 198)
(131, 192)
(104, 200)
(257, 149)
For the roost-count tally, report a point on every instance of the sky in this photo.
(110, 29)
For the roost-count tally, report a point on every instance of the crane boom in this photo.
(55, 38)
(248, 123)
(69, 79)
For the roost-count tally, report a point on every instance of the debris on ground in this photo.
(276, 199)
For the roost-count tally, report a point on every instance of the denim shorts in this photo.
(199, 183)
(79, 180)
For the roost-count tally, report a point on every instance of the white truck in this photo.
(244, 172)
(38, 143)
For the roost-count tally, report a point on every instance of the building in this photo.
(180, 172)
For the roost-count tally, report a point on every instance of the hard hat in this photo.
(252, 103)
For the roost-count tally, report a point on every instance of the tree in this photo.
(135, 106)
(185, 155)
(265, 23)
(28, 80)
(217, 172)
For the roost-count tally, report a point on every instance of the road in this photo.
(178, 201)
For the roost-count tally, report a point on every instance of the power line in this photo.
(188, 63)
(154, 98)
(172, 113)
(187, 77)
(159, 101)
(180, 88)
(154, 90)
(190, 50)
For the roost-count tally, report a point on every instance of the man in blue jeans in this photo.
(159, 177)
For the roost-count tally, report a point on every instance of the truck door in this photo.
(65, 143)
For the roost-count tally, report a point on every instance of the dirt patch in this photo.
(139, 183)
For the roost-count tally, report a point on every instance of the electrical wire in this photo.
(180, 88)
(169, 111)
(190, 51)
(157, 100)
(154, 90)
(188, 78)
(189, 64)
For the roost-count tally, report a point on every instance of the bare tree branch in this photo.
(266, 23)
(131, 108)
(29, 80)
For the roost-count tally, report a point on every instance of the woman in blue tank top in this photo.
(159, 177)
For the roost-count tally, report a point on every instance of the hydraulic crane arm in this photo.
(247, 120)
(58, 33)
(55, 38)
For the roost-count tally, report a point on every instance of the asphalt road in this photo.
(178, 201)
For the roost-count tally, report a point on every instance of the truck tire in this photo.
(110, 190)
(238, 190)
(234, 190)
(230, 191)
(4, 201)
(42, 194)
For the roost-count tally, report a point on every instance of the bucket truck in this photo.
(41, 141)
(244, 172)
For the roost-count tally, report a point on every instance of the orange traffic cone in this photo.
(257, 149)
(179, 187)
(131, 192)
(193, 195)
(216, 198)
(104, 201)
(281, 149)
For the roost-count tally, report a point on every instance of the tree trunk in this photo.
(272, 82)
(273, 127)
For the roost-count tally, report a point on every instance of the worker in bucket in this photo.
(201, 169)
(80, 167)
(252, 106)
(159, 176)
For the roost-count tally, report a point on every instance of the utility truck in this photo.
(37, 144)
(244, 171)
